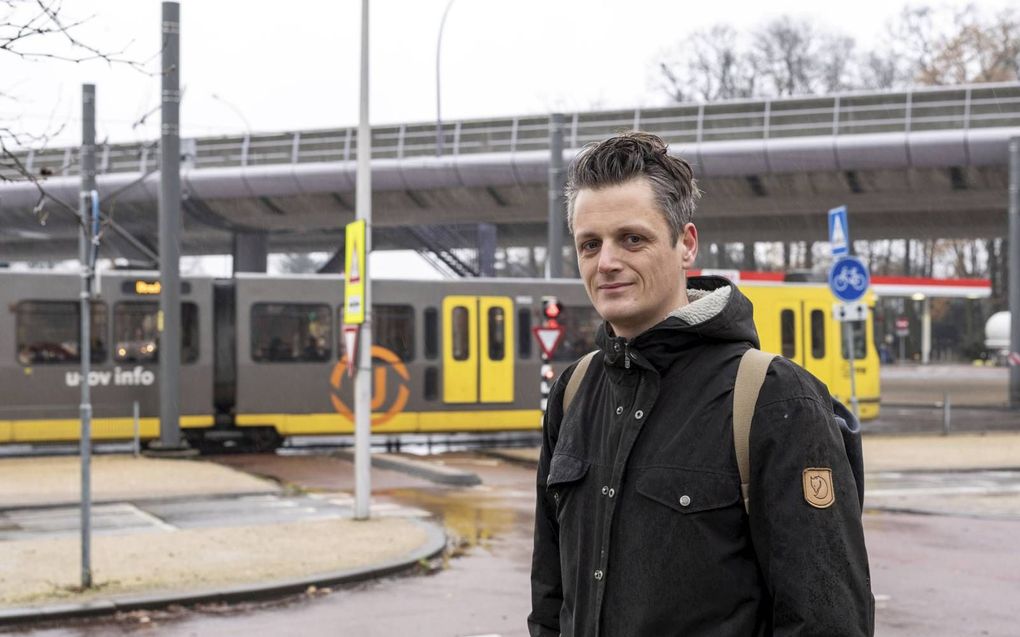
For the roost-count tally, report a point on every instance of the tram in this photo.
(262, 357)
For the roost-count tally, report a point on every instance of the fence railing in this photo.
(928, 109)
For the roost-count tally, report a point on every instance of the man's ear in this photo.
(689, 245)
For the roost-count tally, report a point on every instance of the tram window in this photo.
(431, 383)
(136, 332)
(49, 332)
(818, 333)
(393, 328)
(580, 323)
(290, 332)
(431, 333)
(859, 343)
(786, 327)
(497, 335)
(524, 333)
(461, 334)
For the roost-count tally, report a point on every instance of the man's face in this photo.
(633, 273)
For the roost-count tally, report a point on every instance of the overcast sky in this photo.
(278, 66)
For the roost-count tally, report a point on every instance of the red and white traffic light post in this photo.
(549, 335)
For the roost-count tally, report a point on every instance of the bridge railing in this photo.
(927, 109)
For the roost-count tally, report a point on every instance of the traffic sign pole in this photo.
(848, 280)
(853, 374)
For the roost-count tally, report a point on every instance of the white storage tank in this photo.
(997, 336)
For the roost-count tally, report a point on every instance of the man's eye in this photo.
(633, 239)
(589, 245)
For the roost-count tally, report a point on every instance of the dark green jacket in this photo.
(640, 528)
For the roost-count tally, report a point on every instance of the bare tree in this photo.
(709, 65)
(784, 55)
(943, 46)
(35, 30)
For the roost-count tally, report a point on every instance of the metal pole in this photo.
(1014, 267)
(853, 373)
(926, 330)
(557, 178)
(363, 378)
(138, 441)
(168, 322)
(88, 185)
(439, 117)
(946, 408)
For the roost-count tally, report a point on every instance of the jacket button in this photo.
(639, 414)
(612, 493)
(619, 410)
(598, 575)
(605, 490)
(685, 500)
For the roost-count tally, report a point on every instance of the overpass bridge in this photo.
(923, 163)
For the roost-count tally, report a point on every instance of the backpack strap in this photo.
(754, 364)
(576, 378)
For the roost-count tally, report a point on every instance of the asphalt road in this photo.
(947, 575)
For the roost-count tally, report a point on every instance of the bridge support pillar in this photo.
(251, 251)
(487, 249)
(749, 260)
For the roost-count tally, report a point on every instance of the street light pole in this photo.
(363, 379)
(88, 206)
(439, 116)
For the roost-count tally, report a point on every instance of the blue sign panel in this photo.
(839, 232)
(849, 279)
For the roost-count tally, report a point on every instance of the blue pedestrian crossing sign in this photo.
(839, 232)
(849, 279)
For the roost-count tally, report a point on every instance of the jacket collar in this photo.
(713, 316)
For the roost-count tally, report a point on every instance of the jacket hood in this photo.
(712, 317)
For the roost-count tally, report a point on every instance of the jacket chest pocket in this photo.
(688, 491)
(566, 473)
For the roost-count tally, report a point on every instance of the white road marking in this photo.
(894, 493)
(153, 519)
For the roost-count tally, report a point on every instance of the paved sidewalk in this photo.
(957, 452)
(977, 491)
(146, 565)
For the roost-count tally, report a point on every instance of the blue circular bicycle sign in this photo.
(849, 279)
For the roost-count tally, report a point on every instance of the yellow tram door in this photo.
(478, 364)
(817, 354)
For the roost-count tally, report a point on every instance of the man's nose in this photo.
(609, 258)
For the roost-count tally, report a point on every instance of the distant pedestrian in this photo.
(640, 524)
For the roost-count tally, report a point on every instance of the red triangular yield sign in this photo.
(351, 348)
(548, 338)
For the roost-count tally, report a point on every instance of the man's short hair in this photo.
(631, 155)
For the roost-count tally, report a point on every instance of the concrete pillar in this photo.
(557, 200)
(251, 251)
(487, 249)
(749, 261)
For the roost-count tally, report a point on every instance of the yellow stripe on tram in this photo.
(405, 422)
(68, 429)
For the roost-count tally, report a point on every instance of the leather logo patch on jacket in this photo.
(818, 490)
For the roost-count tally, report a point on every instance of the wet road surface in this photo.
(939, 575)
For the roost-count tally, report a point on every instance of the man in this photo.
(640, 526)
